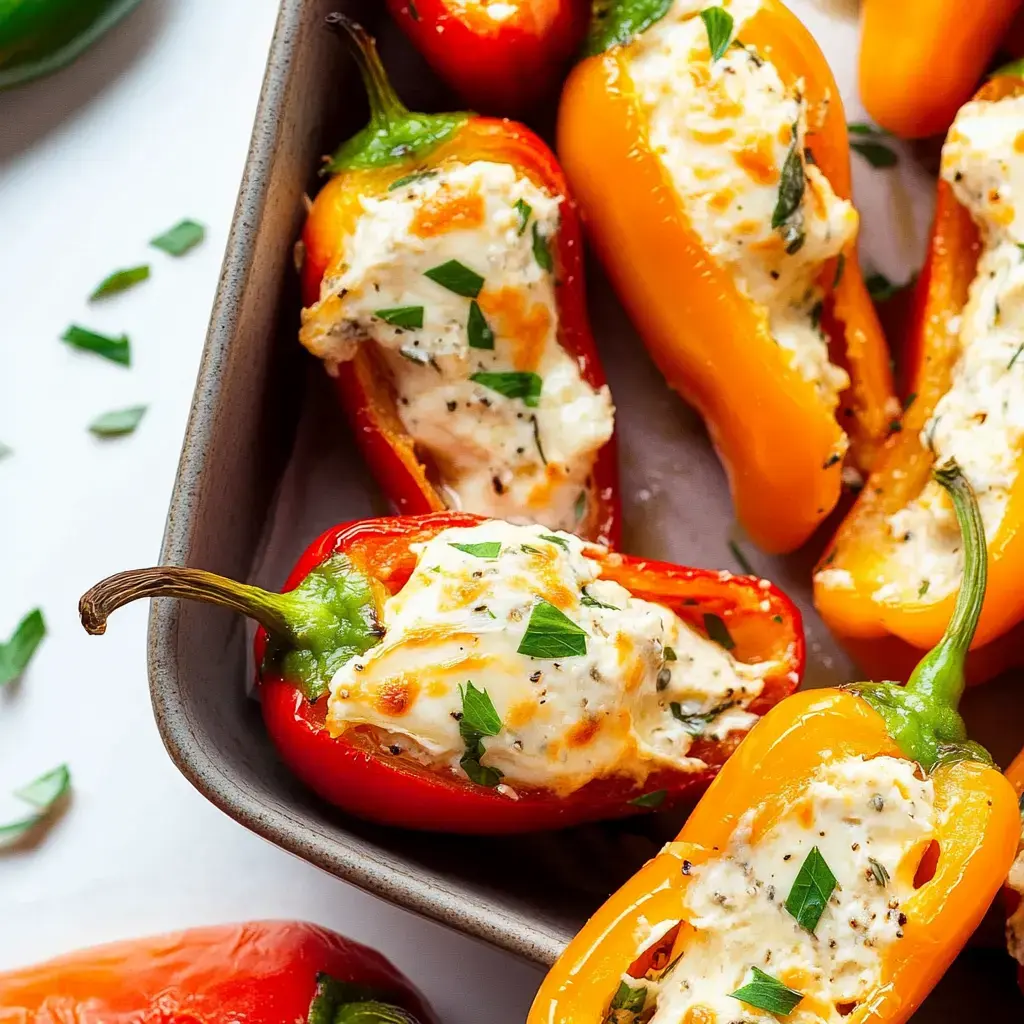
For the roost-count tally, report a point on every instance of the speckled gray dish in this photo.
(268, 463)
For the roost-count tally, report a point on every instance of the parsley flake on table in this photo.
(43, 795)
(117, 350)
(185, 235)
(119, 422)
(119, 281)
(17, 652)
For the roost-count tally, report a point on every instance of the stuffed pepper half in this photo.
(451, 673)
(831, 873)
(719, 204)
(889, 580)
(443, 282)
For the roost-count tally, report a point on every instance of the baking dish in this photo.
(268, 463)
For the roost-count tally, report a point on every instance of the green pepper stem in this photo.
(269, 610)
(939, 677)
(385, 106)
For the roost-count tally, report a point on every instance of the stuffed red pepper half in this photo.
(259, 972)
(458, 674)
(443, 282)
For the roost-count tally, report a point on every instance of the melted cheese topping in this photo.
(509, 457)
(979, 421)
(1015, 924)
(855, 812)
(723, 131)
(564, 720)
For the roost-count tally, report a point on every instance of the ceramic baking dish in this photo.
(268, 462)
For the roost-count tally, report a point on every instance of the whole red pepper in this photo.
(260, 972)
(397, 790)
(396, 145)
(500, 58)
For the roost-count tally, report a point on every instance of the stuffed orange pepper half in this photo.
(832, 871)
(443, 282)
(719, 205)
(1015, 882)
(920, 60)
(888, 582)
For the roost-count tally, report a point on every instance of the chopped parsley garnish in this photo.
(560, 541)
(655, 799)
(536, 441)
(592, 602)
(119, 422)
(923, 589)
(670, 654)
(741, 558)
(478, 329)
(767, 993)
(878, 872)
(580, 505)
(552, 634)
(877, 153)
(524, 209)
(1016, 356)
(696, 723)
(717, 630)
(401, 316)
(718, 23)
(840, 270)
(42, 795)
(811, 891)
(628, 998)
(479, 719)
(489, 549)
(786, 215)
(17, 652)
(120, 280)
(117, 350)
(183, 236)
(881, 289)
(456, 277)
(541, 250)
(408, 179)
(512, 384)
(909, 400)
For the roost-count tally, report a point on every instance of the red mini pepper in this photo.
(261, 972)
(396, 145)
(500, 58)
(327, 614)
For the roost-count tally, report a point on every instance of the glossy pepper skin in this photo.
(763, 623)
(499, 65)
(366, 166)
(976, 810)
(887, 638)
(260, 972)
(45, 35)
(920, 60)
(1015, 773)
(778, 441)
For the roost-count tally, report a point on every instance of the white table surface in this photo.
(152, 125)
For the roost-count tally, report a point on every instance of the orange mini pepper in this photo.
(977, 829)
(887, 637)
(920, 60)
(781, 445)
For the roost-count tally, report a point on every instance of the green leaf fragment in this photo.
(489, 549)
(42, 794)
(592, 602)
(560, 541)
(718, 23)
(524, 209)
(696, 724)
(655, 799)
(812, 889)
(17, 652)
(877, 154)
(120, 281)
(185, 235)
(552, 634)
(767, 993)
(401, 316)
(542, 250)
(791, 185)
(717, 630)
(117, 350)
(457, 278)
(119, 422)
(478, 329)
(408, 179)
(616, 22)
(513, 384)
(629, 998)
(478, 712)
